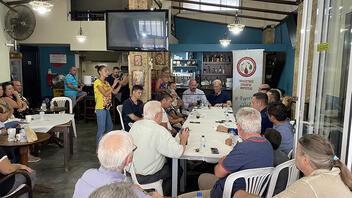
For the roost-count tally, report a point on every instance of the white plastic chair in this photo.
(291, 177)
(289, 155)
(119, 109)
(156, 185)
(256, 181)
(61, 102)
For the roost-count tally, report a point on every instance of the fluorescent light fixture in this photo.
(41, 6)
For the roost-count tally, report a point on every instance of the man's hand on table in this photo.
(222, 128)
(184, 136)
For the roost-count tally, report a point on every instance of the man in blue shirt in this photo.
(260, 103)
(219, 98)
(253, 152)
(72, 89)
(277, 113)
(132, 107)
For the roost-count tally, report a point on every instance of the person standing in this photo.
(72, 87)
(123, 80)
(102, 95)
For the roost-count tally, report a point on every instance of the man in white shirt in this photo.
(192, 95)
(155, 143)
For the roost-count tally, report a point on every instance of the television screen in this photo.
(137, 30)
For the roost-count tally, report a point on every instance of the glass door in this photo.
(331, 83)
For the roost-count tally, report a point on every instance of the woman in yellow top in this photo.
(325, 176)
(102, 94)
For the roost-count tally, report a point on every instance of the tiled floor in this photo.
(50, 170)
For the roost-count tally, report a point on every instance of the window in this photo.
(213, 8)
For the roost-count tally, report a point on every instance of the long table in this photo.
(205, 125)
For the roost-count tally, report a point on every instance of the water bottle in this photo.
(199, 195)
(227, 120)
(23, 137)
(41, 113)
(202, 144)
(44, 106)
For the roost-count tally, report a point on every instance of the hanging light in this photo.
(225, 42)
(236, 27)
(80, 37)
(41, 6)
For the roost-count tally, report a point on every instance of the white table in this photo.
(49, 122)
(214, 139)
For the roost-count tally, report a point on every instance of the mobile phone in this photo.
(181, 131)
(197, 150)
(214, 150)
(149, 190)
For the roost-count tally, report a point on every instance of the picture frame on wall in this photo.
(137, 60)
(159, 58)
(138, 77)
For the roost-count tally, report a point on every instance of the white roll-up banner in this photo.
(247, 76)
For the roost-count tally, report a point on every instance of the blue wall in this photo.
(44, 53)
(204, 37)
(188, 31)
(286, 80)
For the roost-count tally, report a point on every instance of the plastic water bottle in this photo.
(199, 195)
(44, 106)
(41, 113)
(227, 118)
(202, 144)
(23, 137)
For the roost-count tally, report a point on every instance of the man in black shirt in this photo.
(13, 182)
(132, 107)
(122, 81)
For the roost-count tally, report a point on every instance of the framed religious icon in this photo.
(138, 77)
(159, 58)
(137, 60)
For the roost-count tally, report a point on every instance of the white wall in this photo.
(4, 51)
(55, 28)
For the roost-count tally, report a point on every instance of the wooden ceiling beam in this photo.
(227, 14)
(206, 21)
(283, 2)
(234, 7)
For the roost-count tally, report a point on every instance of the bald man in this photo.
(264, 88)
(192, 95)
(72, 89)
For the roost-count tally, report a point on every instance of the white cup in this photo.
(11, 134)
(28, 118)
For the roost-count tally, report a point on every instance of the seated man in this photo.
(115, 151)
(192, 95)
(254, 152)
(167, 121)
(273, 96)
(264, 88)
(17, 86)
(154, 144)
(278, 115)
(219, 98)
(14, 182)
(132, 107)
(115, 190)
(177, 103)
(72, 85)
(274, 137)
(260, 103)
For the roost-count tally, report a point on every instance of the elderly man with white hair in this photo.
(219, 98)
(253, 152)
(192, 95)
(115, 151)
(155, 143)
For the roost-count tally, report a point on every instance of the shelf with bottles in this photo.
(217, 57)
(185, 63)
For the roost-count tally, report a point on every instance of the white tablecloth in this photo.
(50, 121)
(207, 127)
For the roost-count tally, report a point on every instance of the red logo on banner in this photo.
(246, 67)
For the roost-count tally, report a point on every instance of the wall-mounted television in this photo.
(137, 30)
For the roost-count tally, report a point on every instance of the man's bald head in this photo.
(264, 88)
(73, 70)
(193, 85)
